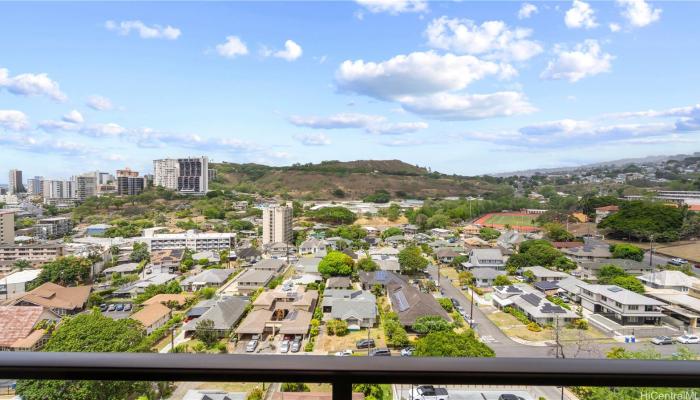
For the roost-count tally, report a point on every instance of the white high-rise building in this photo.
(35, 185)
(57, 189)
(277, 224)
(186, 175)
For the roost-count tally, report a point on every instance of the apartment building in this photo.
(36, 254)
(15, 182)
(35, 186)
(85, 186)
(277, 224)
(129, 185)
(186, 175)
(58, 189)
(193, 240)
(7, 227)
(51, 228)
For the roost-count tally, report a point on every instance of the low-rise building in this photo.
(20, 327)
(152, 317)
(52, 228)
(591, 250)
(224, 313)
(533, 304)
(249, 281)
(589, 269)
(486, 258)
(59, 299)
(541, 274)
(270, 264)
(675, 280)
(312, 245)
(356, 307)
(193, 240)
(484, 277)
(620, 305)
(165, 261)
(213, 278)
(36, 254)
(602, 212)
(136, 288)
(446, 255)
(15, 284)
(279, 311)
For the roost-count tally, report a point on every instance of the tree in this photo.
(608, 272)
(465, 278)
(205, 332)
(564, 263)
(611, 274)
(640, 220)
(501, 280)
(411, 260)
(446, 304)
(367, 264)
(337, 327)
(65, 271)
(628, 282)
(451, 344)
(430, 323)
(457, 261)
(393, 231)
(139, 252)
(333, 215)
(371, 392)
(379, 196)
(336, 263)
(487, 233)
(295, 387)
(90, 332)
(22, 264)
(557, 232)
(628, 251)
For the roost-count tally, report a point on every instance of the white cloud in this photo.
(31, 85)
(232, 48)
(614, 27)
(586, 59)
(527, 10)
(104, 130)
(74, 117)
(99, 103)
(42, 145)
(492, 39)
(639, 13)
(58, 126)
(13, 120)
(394, 7)
(144, 31)
(415, 74)
(580, 15)
(448, 106)
(313, 139)
(291, 51)
(397, 128)
(337, 121)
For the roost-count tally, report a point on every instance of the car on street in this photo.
(111, 307)
(365, 344)
(454, 301)
(127, 307)
(407, 351)
(677, 261)
(251, 346)
(661, 340)
(429, 392)
(284, 347)
(296, 346)
(380, 353)
(344, 353)
(509, 396)
(688, 339)
(103, 307)
(120, 307)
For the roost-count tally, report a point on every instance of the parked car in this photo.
(688, 339)
(407, 351)
(296, 346)
(365, 343)
(380, 353)
(103, 307)
(251, 346)
(508, 396)
(344, 353)
(430, 392)
(454, 301)
(120, 307)
(677, 261)
(111, 307)
(284, 347)
(661, 340)
(127, 307)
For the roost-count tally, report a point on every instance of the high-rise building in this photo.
(186, 175)
(127, 172)
(35, 185)
(58, 189)
(193, 175)
(15, 182)
(129, 185)
(277, 224)
(7, 227)
(85, 186)
(165, 173)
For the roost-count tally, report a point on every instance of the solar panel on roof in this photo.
(380, 275)
(401, 300)
(552, 309)
(615, 289)
(531, 298)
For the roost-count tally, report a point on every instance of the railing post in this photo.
(342, 391)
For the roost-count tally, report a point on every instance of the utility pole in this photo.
(369, 346)
(471, 310)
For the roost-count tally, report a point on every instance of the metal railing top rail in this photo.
(346, 370)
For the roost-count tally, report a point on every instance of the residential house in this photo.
(471, 230)
(410, 303)
(311, 246)
(549, 288)
(60, 300)
(308, 266)
(279, 311)
(211, 257)
(382, 278)
(339, 282)
(683, 307)
(410, 229)
(534, 305)
(213, 278)
(136, 288)
(248, 282)
(395, 241)
(372, 232)
(589, 269)
(590, 250)
(484, 277)
(356, 307)
(225, 314)
(165, 261)
(171, 300)
(122, 269)
(602, 212)
(152, 316)
(485, 258)
(389, 265)
(441, 233)
(675, 280)
(620, 305)
(248, 255)
(338, 243)
(541, 274)
(279, 250)
(384, 253)
(15, 284)
(446, 255)
(270, 264)
(21, 327)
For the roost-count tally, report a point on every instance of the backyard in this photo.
(509, 325)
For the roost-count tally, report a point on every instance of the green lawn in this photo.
(512, 220)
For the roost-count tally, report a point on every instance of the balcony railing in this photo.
(342, 372)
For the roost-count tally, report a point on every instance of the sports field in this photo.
(506, 219)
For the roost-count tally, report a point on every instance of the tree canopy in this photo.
(411, 260)
(65, 271)
(487, 233)
(367, 264)
(333, 215)
(393, 231)
(451, 344)
(611, 274)
(430, 323)
(336, 263)
(628, 251)
(641, 220)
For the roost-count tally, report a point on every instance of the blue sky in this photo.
(463, 87)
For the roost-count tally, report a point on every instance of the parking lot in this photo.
(265, 346)
(112, 310)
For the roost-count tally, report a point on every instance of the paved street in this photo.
(488, 392)
(506, 347)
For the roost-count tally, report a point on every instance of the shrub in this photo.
(255, 394)
(446, 304)
(534, 327)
